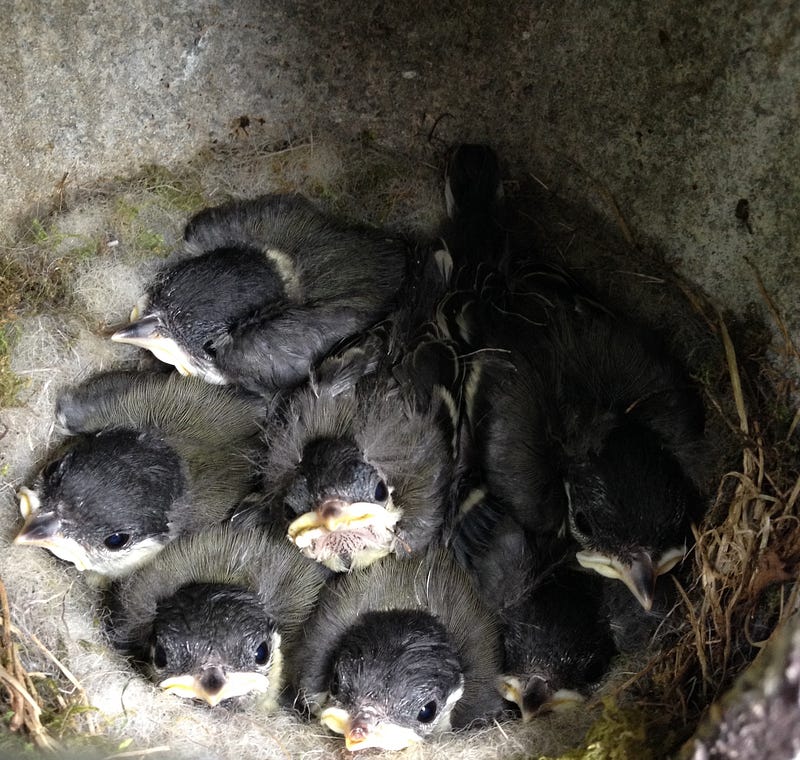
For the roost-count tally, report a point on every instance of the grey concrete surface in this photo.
(677, 110)
(652, 121)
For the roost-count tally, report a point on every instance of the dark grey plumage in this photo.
(150, 457)
(556, 638)
(588, 423)
(269, 287)
(359, 461)
(579, 419)
(400, 651)
(217, 614)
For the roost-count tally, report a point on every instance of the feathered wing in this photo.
(338, 280)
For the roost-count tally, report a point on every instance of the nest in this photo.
(77, 263)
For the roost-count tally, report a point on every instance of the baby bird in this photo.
(151, 457)
(359, 461)
(399, 652)
(581, 420)
(267, 287)
(588, 424)
(554, 629)
(214, 617)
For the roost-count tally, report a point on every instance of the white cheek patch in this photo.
(124, 562)
(64, 548)
(443, 724)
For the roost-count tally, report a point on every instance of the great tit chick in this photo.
(267, 287)
(216, 615)
(359, 464)
(556, 640)
(398, 652)
(580, 420)
(152, 456)
(585, 423)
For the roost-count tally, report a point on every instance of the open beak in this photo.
(362, 732)
(213, 685)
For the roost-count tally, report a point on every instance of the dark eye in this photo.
(210, 349)
(582, 524)
(51, 468)
(262, 653)
(381, 491)
(427, 713)
(116, 541)
(159, 656)
(333, 688)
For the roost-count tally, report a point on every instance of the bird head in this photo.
(394, 679)
(340, 506)
(629, 506)
(191, 307)
(104, 505)
(556, 641)
(214, 643)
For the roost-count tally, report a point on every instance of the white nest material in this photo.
(53, 607)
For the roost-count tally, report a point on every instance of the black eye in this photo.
(262, 653)
(582, 524)
(159, 656)
(333, 688)
(427, 713)
(51, 468)
(116, 541)
(381, 491)
(210, 349)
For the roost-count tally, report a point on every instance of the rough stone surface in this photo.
(677, 111)
(672, 125)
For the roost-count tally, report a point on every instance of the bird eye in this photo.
(582, 524)
(50, 468)
(381, 491)
(427, 713)
(116, 541)
(159, 656)
(333, 687)
(210, 349)
(262, 653)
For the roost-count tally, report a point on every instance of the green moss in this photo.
(151, 242)
(618, 734)
(173, 191)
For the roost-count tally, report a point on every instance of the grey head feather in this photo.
(405, 445)
(433, 583)
(258, 561)
(175, 405)
(214, 430)
(311, 281)
(154, 456)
